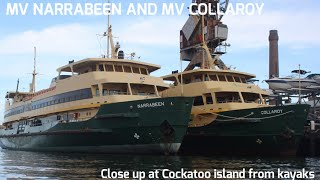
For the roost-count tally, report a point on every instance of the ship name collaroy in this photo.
(275, 111)
(150, 105)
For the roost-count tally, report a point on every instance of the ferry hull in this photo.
(265, 132)
(154, 126)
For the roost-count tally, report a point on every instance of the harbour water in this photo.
(35, 165)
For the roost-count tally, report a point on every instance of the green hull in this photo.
(143, 127)
(260, 131)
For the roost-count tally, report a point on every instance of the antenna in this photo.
(299, 84)
(34, 74)
(181, 78)
(17, 90)
(108, 33)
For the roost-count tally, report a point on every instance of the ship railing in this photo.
(116, 93)
(247, 101)
(230, 101)
(145, 94)
(8, 128)
(73, 120)
(69, 121)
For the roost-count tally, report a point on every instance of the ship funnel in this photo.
(273, 54)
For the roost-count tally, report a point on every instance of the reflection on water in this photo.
(35, 165)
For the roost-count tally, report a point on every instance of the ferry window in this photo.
(243, 80)
(142, 94)
(222, 78)
(161, 88)
(187, 81)
(56, 101)
(109, 68)
(206, 77)
(77, 97)
(114, 92)
(136, 70)
(101, 67)
(95, 90)
(65, 117)
(118, 68)
(208, 98)
(127, 69)
(115, 88)
(250, 97)
(142, 89)
(144, 71)
(213, 78)
(227, 97)
(237, 79)
(230, 78)
(198, 101)
(104, 92)
(198, 78)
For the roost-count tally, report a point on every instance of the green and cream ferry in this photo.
(230, 115)
(108, 105)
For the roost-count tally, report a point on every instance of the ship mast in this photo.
(110, 43)
(17, 90)
(108, 31)
(34, 74)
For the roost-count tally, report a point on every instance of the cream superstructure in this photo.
(215, 91)
(81, 87)
(100, 80)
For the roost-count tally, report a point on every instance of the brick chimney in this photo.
(273, 54)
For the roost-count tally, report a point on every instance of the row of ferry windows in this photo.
(227, 97)
(125, 89)
(57, 99)
(122, 68)
(214, 77)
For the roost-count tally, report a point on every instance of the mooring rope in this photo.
(244, 117)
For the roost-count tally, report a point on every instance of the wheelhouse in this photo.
(217, 87)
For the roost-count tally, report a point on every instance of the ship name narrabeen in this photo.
(275, 111)
(150, 105)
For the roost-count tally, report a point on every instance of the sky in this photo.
(155, 39)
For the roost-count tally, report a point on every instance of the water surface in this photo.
(38, 165)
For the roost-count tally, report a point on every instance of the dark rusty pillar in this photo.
(273, 54)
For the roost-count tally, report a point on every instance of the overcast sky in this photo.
(155, 39)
